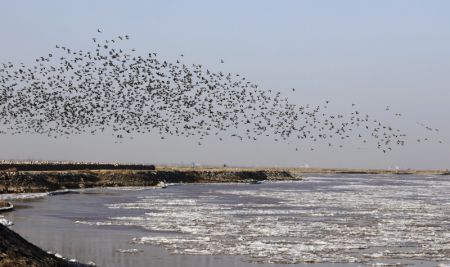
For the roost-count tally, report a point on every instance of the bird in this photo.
(110, 88)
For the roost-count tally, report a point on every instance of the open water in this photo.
(336, 220)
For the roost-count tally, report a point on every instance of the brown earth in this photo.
(367, 171)
(17, 252)
(3, 204)
(312, 170)
(44, 181)
(53, 166)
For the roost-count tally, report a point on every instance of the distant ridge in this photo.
(68, 166)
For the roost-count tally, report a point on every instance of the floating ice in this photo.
(129, 251)
(58, 255)
(130, 188)
(5, 222)
(323, 219)
(22, 196)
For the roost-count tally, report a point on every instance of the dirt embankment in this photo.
(17, 252)
(42, 181)
(72, 166)
(4, 204)
(366, 171)
(15, 181)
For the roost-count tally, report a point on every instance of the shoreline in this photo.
(93, 212)
(62, 177)
(5, 206)
(17, 251)
(314, 170)
(46, 181)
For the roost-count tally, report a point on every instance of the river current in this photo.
(338, 220)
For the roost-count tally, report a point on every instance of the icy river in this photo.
(336, 220)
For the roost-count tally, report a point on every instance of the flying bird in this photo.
(107, 88)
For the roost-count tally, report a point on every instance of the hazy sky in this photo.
(372, 53)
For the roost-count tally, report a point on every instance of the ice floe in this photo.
(129, 251)
(5, 222)
(22, 196)
(365, 219)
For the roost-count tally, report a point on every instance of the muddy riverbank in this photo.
(44, 181)
(16, 251)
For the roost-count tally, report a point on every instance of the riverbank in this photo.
(369, 171)
(312, 170)
(45, 181)
(15, 251)
(229, 224)
(33, 181)
(3, 204)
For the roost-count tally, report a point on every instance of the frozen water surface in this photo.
(5, 222)
(344, 220)
(322, 219)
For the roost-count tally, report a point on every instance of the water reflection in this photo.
(316, 212)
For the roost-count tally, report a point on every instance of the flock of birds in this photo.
(110, 88)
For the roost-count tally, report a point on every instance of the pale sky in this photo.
(372, 53)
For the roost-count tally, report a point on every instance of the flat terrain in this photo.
(310, 170)
(50, 177)
(44, 181)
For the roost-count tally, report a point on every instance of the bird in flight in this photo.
(111, 88)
